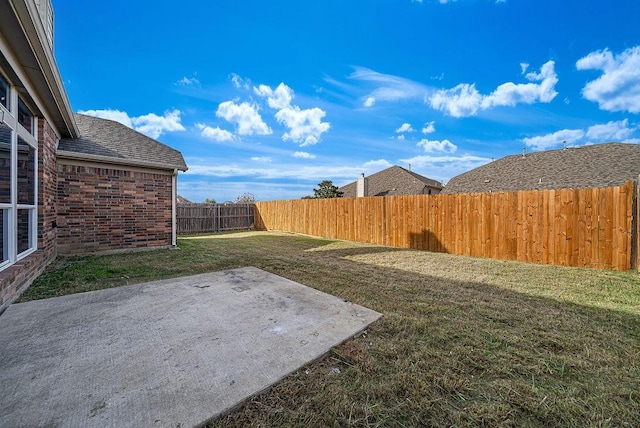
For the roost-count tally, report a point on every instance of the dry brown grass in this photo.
(463, 341)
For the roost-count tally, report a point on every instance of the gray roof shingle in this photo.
(103, 138)
(598, 165)
(394, 181)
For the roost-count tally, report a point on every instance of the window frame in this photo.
(10, 211)
(7, 87)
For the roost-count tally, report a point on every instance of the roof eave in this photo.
(64, 154)
(41, 68)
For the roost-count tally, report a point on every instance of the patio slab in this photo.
(170, 353)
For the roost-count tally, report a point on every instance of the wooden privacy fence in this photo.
(199, 218)
(571, 227)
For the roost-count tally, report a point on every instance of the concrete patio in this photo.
(168, 353)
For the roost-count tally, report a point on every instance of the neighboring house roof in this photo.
(183, 200)
(598, 165)
(394, 181)
(109, 141)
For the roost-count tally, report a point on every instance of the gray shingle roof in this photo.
(113, 141)
(598, 165)
(394, 181)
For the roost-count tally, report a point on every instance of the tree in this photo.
(326, 189)
(209, 201)
(246, 198)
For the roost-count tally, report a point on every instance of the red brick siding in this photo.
(47, 188)
(102, 209)
(15, 279)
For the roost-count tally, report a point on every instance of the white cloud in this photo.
(153, 125)
(405, 127)
(547, 141)
(215, 134)
(303, 155)
(524, 66)
(612, 131)
(245, 116)
(509, 94)
(150, 124)
(435, 146)
(444, 167)
(186, 81)
(388, 87)
(377, 164)
(465, 100)
(438, 167)
(305, 126)
(277, 99)
(261, 159)
(460, 101)
(429, 127)
(227, 190)
(618, 88)
(239, 82)
(277, 171)
(115, 115)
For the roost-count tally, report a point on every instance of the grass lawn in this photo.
(463, 341)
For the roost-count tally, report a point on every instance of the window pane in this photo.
(5, 164)
(25, 117)
(24, 230)
(26, 173)
(4, 238)
(4, 93)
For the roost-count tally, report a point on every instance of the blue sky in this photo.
(272, 97)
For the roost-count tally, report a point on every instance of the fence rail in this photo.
(200, 218)
(571, 227)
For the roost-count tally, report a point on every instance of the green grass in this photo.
(463, 341)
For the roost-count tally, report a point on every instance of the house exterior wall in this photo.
(17, 278)
(103, 209)
(47, 189)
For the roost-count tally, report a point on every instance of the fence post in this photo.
(635, 225)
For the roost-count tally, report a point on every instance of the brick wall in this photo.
(102, 209)
(15, 279)
(47, 189)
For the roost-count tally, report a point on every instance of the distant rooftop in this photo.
(598, 165)
(395, 180)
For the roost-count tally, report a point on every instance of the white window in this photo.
(18, 177)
